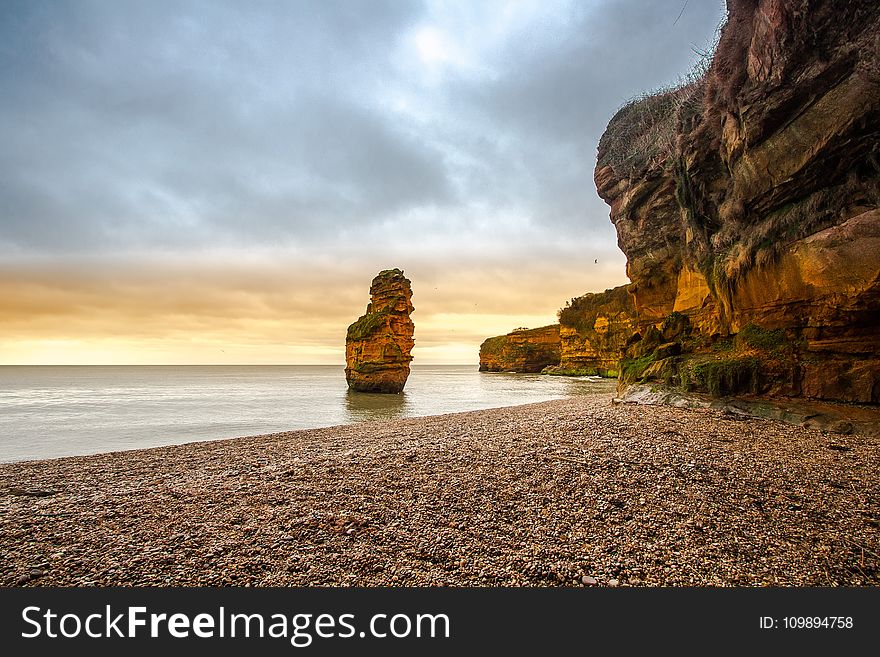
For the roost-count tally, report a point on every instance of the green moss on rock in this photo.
(756, 337)
(726, 376)
(632, 369)
(365, 326)
(556, 370)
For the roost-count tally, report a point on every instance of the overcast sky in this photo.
(219, 181)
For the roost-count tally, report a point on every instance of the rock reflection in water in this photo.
(363, 406)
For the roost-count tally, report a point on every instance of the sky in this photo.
(217, 182)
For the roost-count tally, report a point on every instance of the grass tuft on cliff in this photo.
(643, 134)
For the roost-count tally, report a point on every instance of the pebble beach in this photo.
(574, 492)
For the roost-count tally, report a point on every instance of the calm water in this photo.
(47, 412)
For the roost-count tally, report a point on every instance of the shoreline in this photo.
(57, 413)
(570, 492)
(274, 433)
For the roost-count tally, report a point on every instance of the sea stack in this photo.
(378, 344)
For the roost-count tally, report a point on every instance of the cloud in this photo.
(169, 165)
(177, 125)
(558, 82)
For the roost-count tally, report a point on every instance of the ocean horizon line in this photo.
(342, 365)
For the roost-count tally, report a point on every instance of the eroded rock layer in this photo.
(594, 330)
(378, 344)
(522, 350)
(746, 203)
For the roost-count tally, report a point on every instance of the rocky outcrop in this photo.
(594, 330)
(378, 344)
(590, 339)
(522, 350)
(746, 202)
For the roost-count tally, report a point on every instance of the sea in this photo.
(55, 411)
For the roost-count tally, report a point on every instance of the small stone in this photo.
(589, 581)
(839, 448)
(613, 582)
(24, 579)
(36, 572)
(842, 427)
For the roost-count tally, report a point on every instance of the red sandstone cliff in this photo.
(590, 339)
(594, 330)
(523, 350)
(746, 203)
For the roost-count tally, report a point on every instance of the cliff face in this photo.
(594, 330)
(378, 344)
(526, 350)
(746, 203)
(590, 339)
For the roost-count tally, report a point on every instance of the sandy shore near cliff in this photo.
(571, 492)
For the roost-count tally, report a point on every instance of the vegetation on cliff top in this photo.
(580, 313)
(644, 132)
(389, 273)
(521, 350)
(677, 132)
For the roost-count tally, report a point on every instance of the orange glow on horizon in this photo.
(253, 315)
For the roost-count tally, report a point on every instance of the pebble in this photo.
(513, 479)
